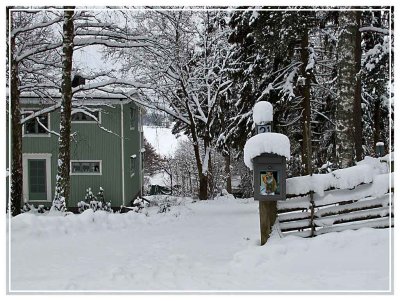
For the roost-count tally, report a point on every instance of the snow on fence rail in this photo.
(351, 198)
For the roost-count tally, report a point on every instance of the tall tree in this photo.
(357, 111)
(31, 42)
(16, 138)
(187, 70)
(347, 83)
(62, 188)
(375, 76)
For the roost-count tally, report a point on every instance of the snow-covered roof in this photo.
(262, 112)
(84, 97)
(275, 143)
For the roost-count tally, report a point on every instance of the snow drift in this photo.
(202, 246)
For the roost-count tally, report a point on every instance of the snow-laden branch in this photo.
(92, 116)
(287, 87)
(112, 35)
(33, 86)
(46, 129)
(40, 112)
(78, 41)
(114, 81)
(293, 121)
(146, 104)
(202, 116)
(37, 50)
(311, 59)
(323, 115)
(374, 29)
(19, 30)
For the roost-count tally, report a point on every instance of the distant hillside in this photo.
(162, 139)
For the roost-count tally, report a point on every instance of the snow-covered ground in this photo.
(209, 245)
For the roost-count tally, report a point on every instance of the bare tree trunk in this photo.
(345, 134)
(377, 121)
(190, 182)
(16, 138)
(62, 190)
(203, 179)
(306, 116)
(357, 93)
(228, 174)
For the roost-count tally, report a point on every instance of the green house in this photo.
(106, 152)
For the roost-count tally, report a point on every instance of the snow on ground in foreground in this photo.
(210, 245)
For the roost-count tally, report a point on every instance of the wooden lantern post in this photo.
(266, 154)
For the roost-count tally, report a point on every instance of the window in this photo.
(85, 167)
(133, 165)
(36, 177)
(35, 127)
(83, 117)
(132, 118)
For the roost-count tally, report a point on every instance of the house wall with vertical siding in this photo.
(131, 147)
(94, 143)
(90, 142)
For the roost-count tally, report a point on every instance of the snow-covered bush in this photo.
(140, 203)
(93, 202)
(31, 208)
(164, 207)
(165, 203)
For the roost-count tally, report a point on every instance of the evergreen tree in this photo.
(375, 78)
(153, 162)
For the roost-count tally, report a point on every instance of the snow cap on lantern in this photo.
(262, 112)
(274, 143)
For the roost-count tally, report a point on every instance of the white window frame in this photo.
(88, 121)
(86, 173)
(25, 175)
(48, 134)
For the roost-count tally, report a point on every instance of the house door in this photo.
(37, 177)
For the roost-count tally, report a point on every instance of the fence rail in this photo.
(337, 210)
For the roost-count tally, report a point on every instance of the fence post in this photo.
(312, 207)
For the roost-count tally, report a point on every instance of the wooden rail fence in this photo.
(337, 210)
